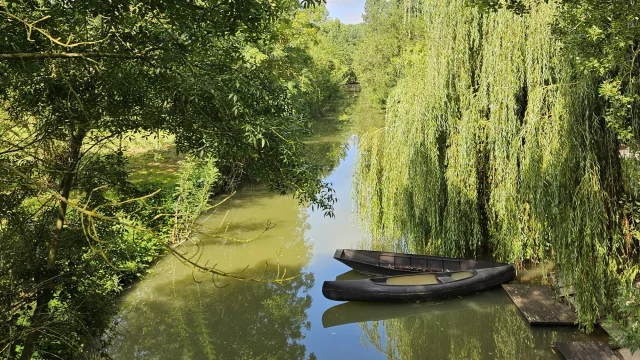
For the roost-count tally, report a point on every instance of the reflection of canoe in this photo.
(438, 278)
(388, 263)
(355, 312)
(352, 275)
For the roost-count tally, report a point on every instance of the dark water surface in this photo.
(180, 314)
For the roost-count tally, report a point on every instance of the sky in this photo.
(348, 11)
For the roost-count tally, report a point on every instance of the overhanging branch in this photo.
(66, 55)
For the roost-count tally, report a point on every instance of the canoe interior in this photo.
(426, 279)
(410, 262)
(422, 279)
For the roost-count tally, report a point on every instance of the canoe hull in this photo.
(376, 290)
(393, 264)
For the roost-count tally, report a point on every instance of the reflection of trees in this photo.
(497, 332)
(185, 319)
(200, 321)
(366, 115)
(329, 144)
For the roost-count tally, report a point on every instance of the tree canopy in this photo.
(227, 80)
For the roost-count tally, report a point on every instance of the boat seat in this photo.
(445, 279)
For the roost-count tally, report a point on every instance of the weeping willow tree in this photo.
(493, 142)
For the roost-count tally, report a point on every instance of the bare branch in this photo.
(31, 26)
(195, 266)
(68, 55)
(216, 235)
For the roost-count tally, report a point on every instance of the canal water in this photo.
(176, 313)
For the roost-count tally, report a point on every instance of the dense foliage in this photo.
(503, 131)
(335, 49)
(388, 32)
(234, 84)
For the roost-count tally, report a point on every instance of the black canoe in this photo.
(388, 263)
(429, 277)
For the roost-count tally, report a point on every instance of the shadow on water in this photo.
(329, 144)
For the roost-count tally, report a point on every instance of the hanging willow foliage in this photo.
(492, 142)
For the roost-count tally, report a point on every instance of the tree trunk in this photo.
(46, 294)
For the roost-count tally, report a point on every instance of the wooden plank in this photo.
(625, 354)
(613, 331)
(585, 350)
(539, 306)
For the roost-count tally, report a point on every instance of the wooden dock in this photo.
(622, 353)
(539, 306)
(585, 350)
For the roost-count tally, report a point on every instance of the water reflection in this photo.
(329, 145)
(244, 321)
(352, 312)
(181, 314)
(483, 326)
